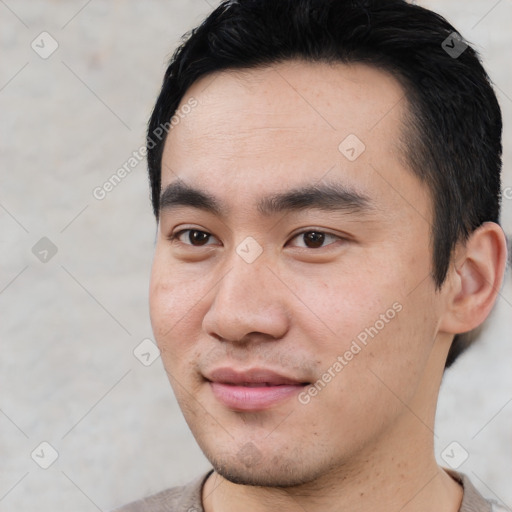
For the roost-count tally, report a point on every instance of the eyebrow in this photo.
(323, 196)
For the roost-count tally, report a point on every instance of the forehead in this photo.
(280, 126)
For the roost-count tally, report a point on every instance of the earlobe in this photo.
(477, 273)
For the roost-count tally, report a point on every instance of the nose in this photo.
(248, 302)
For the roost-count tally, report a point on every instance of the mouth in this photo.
(252, 390)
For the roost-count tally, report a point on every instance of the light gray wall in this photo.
(68, 326)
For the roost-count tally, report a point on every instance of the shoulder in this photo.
(472, 500)
(183, 498)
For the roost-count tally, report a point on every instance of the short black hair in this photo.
(453, 126)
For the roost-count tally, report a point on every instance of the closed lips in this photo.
(256, 377)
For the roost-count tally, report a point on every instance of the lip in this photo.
(252, 390)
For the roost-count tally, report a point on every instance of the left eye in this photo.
(315, 239)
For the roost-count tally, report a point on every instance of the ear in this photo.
(475, 279)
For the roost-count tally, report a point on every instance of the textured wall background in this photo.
(71, 320)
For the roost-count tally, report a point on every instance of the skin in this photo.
(365, 440)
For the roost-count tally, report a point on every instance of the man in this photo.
(325, 176)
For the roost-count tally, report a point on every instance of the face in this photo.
(291, 295)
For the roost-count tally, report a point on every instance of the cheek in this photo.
(372, 320)
(386, 356)
(173, 303)
(341, 305)
(172, 312)
(162, 303)
(369, 381)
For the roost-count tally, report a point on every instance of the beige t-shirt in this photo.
(187, 498)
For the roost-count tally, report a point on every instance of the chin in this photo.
(242, 476)
(249, 467)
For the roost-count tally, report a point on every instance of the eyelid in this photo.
(176, 234)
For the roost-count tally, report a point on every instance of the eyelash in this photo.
(173, 237)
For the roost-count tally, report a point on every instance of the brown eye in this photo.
(315, 239)
(194, 237)
(198, 237)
